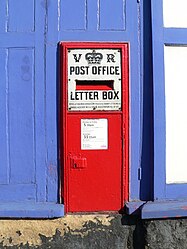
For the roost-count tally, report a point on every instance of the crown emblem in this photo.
(94, 58)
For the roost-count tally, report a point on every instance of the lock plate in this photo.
(78, 162)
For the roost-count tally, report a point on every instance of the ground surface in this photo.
(94, 232)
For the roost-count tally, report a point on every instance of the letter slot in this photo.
(94, 85)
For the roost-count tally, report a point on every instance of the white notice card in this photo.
(94, 134)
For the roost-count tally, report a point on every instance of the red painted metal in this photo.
(94, 180)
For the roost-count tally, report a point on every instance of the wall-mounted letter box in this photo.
(94, 126)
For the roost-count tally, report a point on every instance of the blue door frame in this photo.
(163, 36)
(169, 200)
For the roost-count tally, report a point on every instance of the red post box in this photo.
(94, 126)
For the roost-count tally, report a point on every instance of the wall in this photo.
(30, 32)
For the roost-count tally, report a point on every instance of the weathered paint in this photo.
(164, 209)
(31, 232)
(81, 231)
(94, 232)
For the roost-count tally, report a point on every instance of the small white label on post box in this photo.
(94, 79)
(94, 134)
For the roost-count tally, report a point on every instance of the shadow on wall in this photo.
(137, 231)
(146, 184)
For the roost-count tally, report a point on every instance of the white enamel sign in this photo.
(175, 58)
(94, 79)
(94, 134)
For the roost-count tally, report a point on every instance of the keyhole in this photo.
(75, 165)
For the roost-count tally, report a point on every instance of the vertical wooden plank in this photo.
(2, 16)
(54, 21)
(21, 10)
(21, 115)
(159, 100)
(40, 102)
(51, 123)
(4, 143)
(73, 15)
(92, 16)
(52, 56)
(111, 15)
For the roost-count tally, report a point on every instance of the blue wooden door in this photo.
(169, 74)
(22, 104)
(29, 35)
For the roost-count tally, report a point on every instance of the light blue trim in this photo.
(31, 210)
(133, 207)
(164, 209)
(159, 100)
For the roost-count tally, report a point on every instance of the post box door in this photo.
(95, 142)
(95, 185)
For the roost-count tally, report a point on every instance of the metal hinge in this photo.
(139, 174)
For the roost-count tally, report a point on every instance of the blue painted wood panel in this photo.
(21, 114)
(3, 16)
(4, 137)
(111, 15)
(40, 100)
(101, 25)
(31, 210)
(22, 40)
(21, 15)
(52, 93)
(22, 103)
(159, 102)
(17, 192)
(29, 35)
(73, 15)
